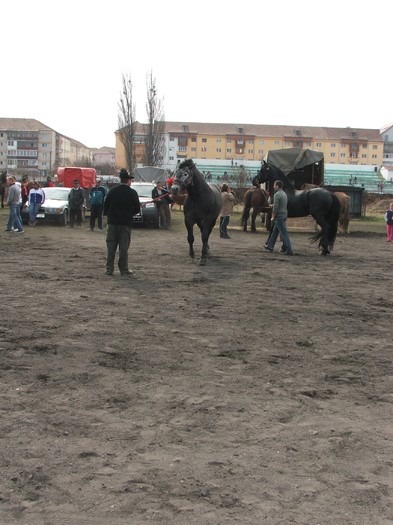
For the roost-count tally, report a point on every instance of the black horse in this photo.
(3, 185)
(323, 205)
(202, 205)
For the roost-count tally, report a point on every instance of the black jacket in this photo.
(164, 197)
(121, 204)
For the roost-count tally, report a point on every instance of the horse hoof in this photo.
(202, 262)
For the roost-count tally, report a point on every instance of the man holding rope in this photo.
(162, 201)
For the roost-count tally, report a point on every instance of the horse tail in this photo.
(246, 209)
(331, 219)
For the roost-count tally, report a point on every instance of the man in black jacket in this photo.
(121, 204)
(76, 198)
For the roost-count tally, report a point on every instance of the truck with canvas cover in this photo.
(86, 177)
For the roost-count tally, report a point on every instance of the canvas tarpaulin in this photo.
(150, 174)
(291, 159)
(300, 165)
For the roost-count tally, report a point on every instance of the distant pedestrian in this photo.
(96, 199)
(120, 206)
(228, 201)
(389, 223)
(13, 201)
(36, 200)
(76, 199)
(48, 183)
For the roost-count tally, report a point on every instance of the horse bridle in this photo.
(179, 182)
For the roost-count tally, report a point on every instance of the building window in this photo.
(218, 150)
(193, 149)
(240, 141)
(318, 145)
(203, 148)
(218, 140)
(171, 139)
(44, 145)
(374, 156)
(276, 142)
(332, 145)
(182, 148)
(10, 143)
(250, 151)
(229, 141)
(251, 142)
(375, 146)
(171, 158)
(332, 154)
(229, 150)
(343, 154)
(193, 139)
(204, 140)
(364, 155)
(364, 146)
(286, 143)
(260, 152)
(261, 142)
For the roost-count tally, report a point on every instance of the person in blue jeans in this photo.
(279, 217)
(13, 201)
(36, 200)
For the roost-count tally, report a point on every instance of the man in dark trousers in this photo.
(121, 204)
(96, 199)
(76, 199)
(162, 200)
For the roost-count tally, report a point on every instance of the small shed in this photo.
(356, 205)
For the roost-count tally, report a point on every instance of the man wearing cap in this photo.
(76, 198)
(121, 204)
(96, 199)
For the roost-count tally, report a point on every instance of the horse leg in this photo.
(246, 215)
(253, 218)
(324, 245)
(205, 234)
(190, 239)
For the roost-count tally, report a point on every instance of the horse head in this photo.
(183, 177)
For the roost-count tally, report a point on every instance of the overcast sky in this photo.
(290, 62)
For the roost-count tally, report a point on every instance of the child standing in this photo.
(389, 223)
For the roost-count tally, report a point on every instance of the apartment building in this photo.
(250, 143)
(29, 147)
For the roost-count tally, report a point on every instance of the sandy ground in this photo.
(256, 389)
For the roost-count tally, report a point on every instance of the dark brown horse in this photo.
(3, 186)
(257, 199)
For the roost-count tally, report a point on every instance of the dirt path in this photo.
(256, 389)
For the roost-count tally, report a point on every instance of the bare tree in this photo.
(127, 121)
(155, 128)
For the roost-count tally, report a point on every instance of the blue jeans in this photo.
(33, 210)
(14, 219)
(280, 228)
(224, 221)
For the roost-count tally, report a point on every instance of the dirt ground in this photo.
(256, 389)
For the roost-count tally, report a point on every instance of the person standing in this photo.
(13, 201)
(48, 183)
(389, 223)
(228, 201)
(279, 217)
(76, 198)
(36, 200)
(96, 199)
(120, 205)
(24, 194)
(162, 201)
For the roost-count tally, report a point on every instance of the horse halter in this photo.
(179, 181)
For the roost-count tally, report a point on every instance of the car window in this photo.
(143, 190)
(59, 194)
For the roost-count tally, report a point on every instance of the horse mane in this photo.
(188, 163)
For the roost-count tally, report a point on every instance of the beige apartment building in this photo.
(29, 147)
(250, 143)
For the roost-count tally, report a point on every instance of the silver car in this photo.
(55, 207)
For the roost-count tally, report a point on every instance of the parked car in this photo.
(55, 207)
(149, 211)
